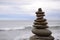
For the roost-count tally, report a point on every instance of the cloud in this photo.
(27, 7)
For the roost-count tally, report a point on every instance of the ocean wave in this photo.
(54, 26)
(8, 29)
(19, 28)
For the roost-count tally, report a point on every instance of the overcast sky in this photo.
(25, 9)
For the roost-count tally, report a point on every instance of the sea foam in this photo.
(15, 28)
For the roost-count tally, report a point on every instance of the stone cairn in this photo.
(40, 28)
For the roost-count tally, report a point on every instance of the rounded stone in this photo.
(41, 32)
(35, 37)
(39, 15)
(40, 20)
(40, 23)
(39, 9)
(39, 12)
(40, 26)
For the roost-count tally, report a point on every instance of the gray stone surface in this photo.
(41, 32)
(35, 37)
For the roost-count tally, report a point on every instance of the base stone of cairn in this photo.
(40, 28)
(35, 37)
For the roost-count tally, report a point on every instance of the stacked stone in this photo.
(40, 28)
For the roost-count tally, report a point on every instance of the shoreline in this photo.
(23, 28)
(25, 34)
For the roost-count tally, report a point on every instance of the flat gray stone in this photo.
(40, 26)
(35, 37)
(41, 32)
(40, 23)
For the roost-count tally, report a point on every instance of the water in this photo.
(21, 29)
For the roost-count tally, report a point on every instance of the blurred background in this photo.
(17, 17)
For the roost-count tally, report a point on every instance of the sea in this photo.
(21, 29)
